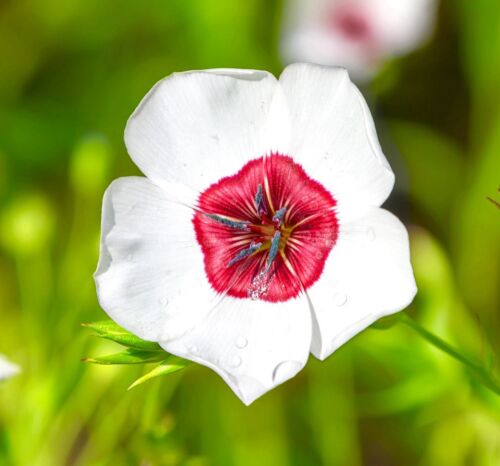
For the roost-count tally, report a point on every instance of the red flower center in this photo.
(266, 231)
(351, 23)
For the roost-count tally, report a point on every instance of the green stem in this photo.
(485, 377)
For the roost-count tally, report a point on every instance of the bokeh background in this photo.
(71, 72)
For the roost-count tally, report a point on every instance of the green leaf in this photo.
(485, 376)
(129, 356)
(168, 366)
(111, 331)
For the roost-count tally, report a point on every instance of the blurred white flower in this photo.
(256, 236)
(7, 368)
(356, 34)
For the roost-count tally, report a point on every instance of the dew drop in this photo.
(284, 370)
(241, 342)
(235, 361)
(193, 349)
(340, 299)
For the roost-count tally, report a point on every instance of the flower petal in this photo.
(253, 345)
(367, 276)
(334, 134)
(401, 25)
(194, 128)
(150, 278)
(7, 368)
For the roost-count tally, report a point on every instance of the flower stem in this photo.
(482, 373)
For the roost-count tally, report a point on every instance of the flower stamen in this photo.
(259, 201)
(229, 223)
(273, 251)
(254, 247)
(278, 216)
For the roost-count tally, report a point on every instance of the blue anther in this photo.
(228, 223)
(278, 216)
(244, 253)
(259, 199)
(273, 251)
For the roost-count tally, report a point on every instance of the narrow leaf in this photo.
(111, 331)
(168, 366)
(486, 377)
(129, 356)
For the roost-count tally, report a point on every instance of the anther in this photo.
(279, 215)
(259, 201)
(229, 223)
(244, 253)
(273, 251)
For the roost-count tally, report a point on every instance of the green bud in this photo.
(27, 225)
(90, 164)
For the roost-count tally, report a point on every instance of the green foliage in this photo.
(138, 352)
(168, 366)
(128, 356)
(112, 331)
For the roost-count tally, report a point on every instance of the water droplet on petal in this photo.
(193, 349)
(241, 342)
(340, 299)
(285, 370)
(235, 361)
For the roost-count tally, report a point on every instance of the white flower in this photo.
(7, 369)
(356, 34)
(256, 236)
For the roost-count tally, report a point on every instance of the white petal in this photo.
(401, 25)
(150, 278)
(253, 345)
(368, 275)
(7, 368)
(194, 128)
(334, 134)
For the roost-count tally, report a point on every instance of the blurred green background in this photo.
(71, 72)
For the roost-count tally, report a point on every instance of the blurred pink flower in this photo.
(356, 34)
